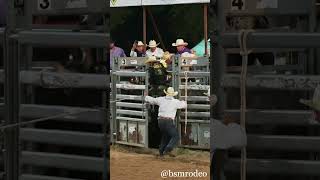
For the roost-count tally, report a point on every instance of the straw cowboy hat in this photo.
(315, 102)
(213, 98)
(170, 92)
(153, 44)
(151, 59)
(180, 42)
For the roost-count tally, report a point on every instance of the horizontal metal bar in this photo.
(71, 162)
(199, 106)
(42, 177)
(62, 80)
(281, 82)
(261, 69)
(195, 98)
(275, 117)
(196, 114)
(195, 74)
(130, 112)
(287, 143)
(130, 73)
(195, 121)
(272, 40)
(131, 86)
(59, 137)
(195, 87)
(62, 39)
(31, 111)
(130, 105)
(280, 167)
(1, 37)
(264, 50)
(129, 97)
(130, 144)
(130, 119)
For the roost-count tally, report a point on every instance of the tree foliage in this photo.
(178, 21)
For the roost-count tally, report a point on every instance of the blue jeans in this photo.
(169, 136)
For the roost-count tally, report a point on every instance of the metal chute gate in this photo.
(130, 79)
(34, 150)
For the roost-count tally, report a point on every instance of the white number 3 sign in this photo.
(44, 4)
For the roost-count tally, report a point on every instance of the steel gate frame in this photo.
(200, 72)
(117, 99)
(221, 80)
(17, 44)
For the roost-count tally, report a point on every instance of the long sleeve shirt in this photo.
(168, 105)
(157, 53)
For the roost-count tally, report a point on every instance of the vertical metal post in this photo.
(312, 27)
(144, 25)
(205, 26)
(217, 65)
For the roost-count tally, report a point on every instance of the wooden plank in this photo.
(199, 106)
(275, 117)
(280, 82)
(129, 97)
(196, 114)
(285, 143)
(131, 86)
(275, 167)
(196, 98)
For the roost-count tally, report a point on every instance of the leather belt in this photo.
(165, 118)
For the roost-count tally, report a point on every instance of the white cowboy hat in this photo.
(170, 92)
(153, 43)
(140, 43)
(180, 42)
(315, 102)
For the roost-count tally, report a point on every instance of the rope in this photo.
(244, 52)
(186, 99)
(40, 120)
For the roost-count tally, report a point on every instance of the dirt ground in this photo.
(143, 164)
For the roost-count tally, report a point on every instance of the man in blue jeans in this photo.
(168, 107)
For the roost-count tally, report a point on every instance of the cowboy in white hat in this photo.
(168, 107)
(181, 46)
(314, 104)
(138, 49)
(154, 50)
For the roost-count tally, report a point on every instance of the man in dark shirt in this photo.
(181, 47)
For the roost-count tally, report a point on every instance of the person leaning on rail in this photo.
(227, 134)
(154, 50)
(168, 107)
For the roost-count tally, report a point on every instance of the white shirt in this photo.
(168, 106)
(157, 53)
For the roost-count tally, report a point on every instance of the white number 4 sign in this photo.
(238, 5)
(44, 4)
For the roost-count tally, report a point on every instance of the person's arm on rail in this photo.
(152, 100)
(181, 104)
